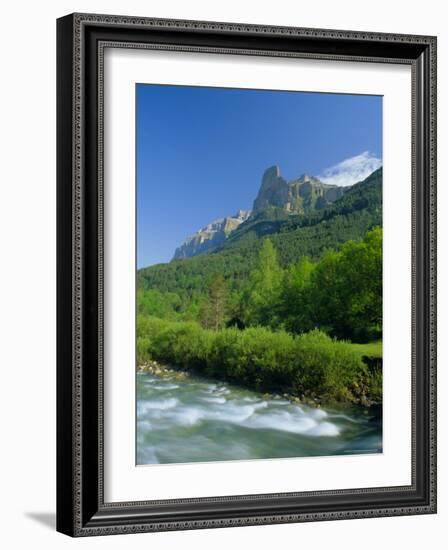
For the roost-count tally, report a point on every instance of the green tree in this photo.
(152, 302)
(213, 310)
(262, 295)
(295, 303)
(346, 289)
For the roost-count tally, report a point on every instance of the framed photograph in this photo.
(246, 274)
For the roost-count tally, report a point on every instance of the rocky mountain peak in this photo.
(296, 196)
(273, 190)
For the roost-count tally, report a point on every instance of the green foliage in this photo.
(346, 289)
(327, 366)
(256, 357)
(165, 305)
(213, 309)
(262, 294)
(143, 349)
(147, 327)
(371, 355)
(181, 343)
(372, 349)
(310, 364)
(296, 309)
(340, 294)
(187, 344)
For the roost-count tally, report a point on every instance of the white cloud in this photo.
(351, 170)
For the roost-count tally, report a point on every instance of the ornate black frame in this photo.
(81, 39)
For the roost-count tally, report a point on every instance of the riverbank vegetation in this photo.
(310, 364)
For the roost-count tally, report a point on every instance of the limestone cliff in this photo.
(298, 196)
(210, 236)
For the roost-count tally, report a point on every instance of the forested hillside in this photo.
(293, 236)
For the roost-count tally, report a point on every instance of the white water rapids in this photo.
(199, 420)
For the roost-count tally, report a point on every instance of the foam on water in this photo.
(222, 392)
(231, 412)
(158, 404)
(325, 429)
(166, 387)
(186, 416)
(218, 400)
(345, 417)
(283, 421)
(318, 414)
(260, 405)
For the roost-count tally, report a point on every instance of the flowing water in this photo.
(198, 420)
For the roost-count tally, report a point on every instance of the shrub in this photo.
(312, 363)
(143, 350)
(184, 344)
(327, 367)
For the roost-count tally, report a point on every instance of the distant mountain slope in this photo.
(210, 236)
(293, 235)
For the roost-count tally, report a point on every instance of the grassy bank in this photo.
(374, 350)
(310, 364)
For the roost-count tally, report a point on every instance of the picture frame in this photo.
(81, 506)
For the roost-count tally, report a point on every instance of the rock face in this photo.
(211, 235)
(298, 196)
(273, 190)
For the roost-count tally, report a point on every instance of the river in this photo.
(198, 420)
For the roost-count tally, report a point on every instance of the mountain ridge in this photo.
(210, 236)
(276, 197)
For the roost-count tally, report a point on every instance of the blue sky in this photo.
(201, 152)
